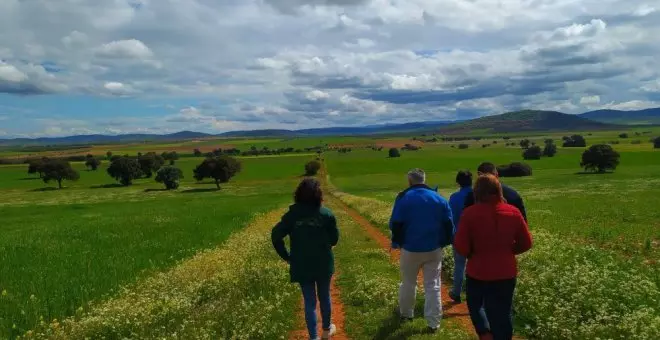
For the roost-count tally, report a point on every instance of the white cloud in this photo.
(590, 100)
(125, 49)
(10, 73)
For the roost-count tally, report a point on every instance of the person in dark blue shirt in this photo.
(457, 202)
(421, 225)
(510, 195)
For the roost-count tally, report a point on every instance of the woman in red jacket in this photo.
(490, 235)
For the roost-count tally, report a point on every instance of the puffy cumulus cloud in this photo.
(325, 62)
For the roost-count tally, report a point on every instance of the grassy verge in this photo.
(237, 291)
(571, 291)
(369, 288)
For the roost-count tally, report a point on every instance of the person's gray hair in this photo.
(417, 176)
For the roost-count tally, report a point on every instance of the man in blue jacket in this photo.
(457, 202)
(421, 225)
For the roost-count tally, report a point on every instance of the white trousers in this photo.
(430, 263)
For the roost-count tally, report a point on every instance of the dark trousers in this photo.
(311, 291)
(491, 306)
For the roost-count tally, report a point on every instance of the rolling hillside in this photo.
(528, 120)
(638, 117)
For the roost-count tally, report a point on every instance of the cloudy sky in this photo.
(119, 66)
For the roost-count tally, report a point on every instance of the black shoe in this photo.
(405, 319)
(456, 299)
(431, 330)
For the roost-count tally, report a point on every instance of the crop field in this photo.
(100, 260)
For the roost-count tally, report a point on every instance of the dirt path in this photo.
(450, 310)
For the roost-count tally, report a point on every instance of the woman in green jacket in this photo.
(313, 232)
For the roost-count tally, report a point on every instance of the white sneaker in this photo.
(330, 332)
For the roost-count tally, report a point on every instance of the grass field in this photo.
(90, 252)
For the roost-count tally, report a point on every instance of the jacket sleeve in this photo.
(518, 203)
(277, 235)
(462, 243)
(448, 224)
(332, 230)
(523, 241)
(397, 218)
(469, 201)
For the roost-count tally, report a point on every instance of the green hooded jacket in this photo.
(312, 232)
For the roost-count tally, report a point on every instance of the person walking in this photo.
(421, 224)
(457, 202)
(312, 230)
(510, 195)
(490, 235)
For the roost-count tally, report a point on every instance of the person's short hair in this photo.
(417, 176)
(487, 188)
(309, 192)
(487, 168)
(464, 178)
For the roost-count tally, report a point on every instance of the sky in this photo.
(72, 67)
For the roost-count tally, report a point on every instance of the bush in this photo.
(515, 169)
(312, 168)
(92, 163)
(656, 143)
(221, 169)
(550, 149)
(600, 157)
(575, 141)
(125, 170)
(463, 146)
(623, 135)
(170, 176)
(533, 152)
(410, 147)
(525, 143)
(150, 163)
(197, 153)
(394, 152)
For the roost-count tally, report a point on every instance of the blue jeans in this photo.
(491, 306)
(459, 273)
(312, 290)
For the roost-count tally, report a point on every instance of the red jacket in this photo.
(490, 236)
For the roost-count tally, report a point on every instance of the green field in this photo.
(142, 262)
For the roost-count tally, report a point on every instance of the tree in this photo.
(600, 157)
(170, 176)
(150, 163)
(394, 152)
(221, 169)
(515, 169)
(550, 149)
(525, 143)
(59, 170)
(92, 163)
(574, 141)
(312, 168)
(197, 153)
(463, 146)
(125, 170)
(172, 156)
(623, 135)
(533, 152)
(36, 166)
(108, 154)
(656, 143)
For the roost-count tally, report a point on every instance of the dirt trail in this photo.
(450, 310)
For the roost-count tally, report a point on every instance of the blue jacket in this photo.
(425, 217)
(457, 203)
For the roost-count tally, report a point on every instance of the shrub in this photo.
(533, 152)
(170, 176)
(525, 143)
(312, 168)
(150, 163)
(125, 170)
(656, 143)
(394, 152)
(108, 154)
(58, 170)
(623, 135)
(463, 146)
(600, 157)
(575, 141)
(550, 149)
(221, 169)
(410, 147)
(197, 153)
(92, 163)
(516, 169)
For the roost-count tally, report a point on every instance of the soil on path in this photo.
(450, 310)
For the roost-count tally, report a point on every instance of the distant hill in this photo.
(103, 139)
(638, 117)
(341, 131)
(527, 120)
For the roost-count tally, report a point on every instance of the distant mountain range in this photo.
(638, 117)
(510, 122)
